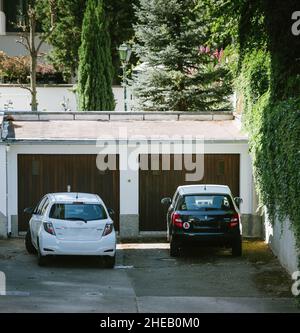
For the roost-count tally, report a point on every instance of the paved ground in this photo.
(146, 279)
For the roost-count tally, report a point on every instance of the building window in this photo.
(15, 12)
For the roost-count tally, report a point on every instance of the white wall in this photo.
(49, 98)
(9, 45)
(282, 241)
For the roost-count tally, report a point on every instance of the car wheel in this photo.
(109, 262)
(237, 247)
(28, 243)
(174, 249)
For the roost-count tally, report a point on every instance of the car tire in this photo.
(109, 262)
(174, 249)
(42, 260)
(237, 247)
(28, 243)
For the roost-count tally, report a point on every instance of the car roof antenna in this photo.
(76, 195)
(204, 187)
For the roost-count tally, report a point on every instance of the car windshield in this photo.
(206, 202)
(75, 211)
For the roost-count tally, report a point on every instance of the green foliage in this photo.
(121, 17)
(267, 78)
(274, 144)
(66, 38)
(284, 48)
(95, 65)
(180, 73)
(268, 81)
(253, 81)
(221, 20)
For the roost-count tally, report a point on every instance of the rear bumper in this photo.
(206, 239)
(50, 245)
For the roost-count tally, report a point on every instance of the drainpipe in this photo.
(8, 217)
(3, 137)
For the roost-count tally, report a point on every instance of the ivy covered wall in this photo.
(264, 57)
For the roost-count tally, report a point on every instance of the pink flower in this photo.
(202, 49)
(221, 54)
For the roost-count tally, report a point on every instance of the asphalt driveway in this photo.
(146, 279)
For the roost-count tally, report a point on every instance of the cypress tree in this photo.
(95, 63)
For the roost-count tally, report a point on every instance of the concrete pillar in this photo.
(3, 204)
(252, 222)
(129, 193)
(246, 184)
(2, 20)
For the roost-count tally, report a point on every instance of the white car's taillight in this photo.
(108, 229)
(49, 228)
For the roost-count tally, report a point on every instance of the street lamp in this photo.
(124, 53)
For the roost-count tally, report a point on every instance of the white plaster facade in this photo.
(282, 241)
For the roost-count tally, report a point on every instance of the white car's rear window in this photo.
(78, 211)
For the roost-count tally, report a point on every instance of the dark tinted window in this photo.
(206, 202)
(87, 212)
(16, 12)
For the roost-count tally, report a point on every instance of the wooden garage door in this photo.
(41, 174)
(222, 169)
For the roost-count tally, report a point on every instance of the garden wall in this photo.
(282, 241)
(50, 98)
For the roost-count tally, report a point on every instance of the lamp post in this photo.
(125, 54)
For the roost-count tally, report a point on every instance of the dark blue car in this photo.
(203, 215)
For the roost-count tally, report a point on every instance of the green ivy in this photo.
(274, 137)
(264, 60)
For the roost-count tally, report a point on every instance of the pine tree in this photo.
(95, 64)
(181, 74)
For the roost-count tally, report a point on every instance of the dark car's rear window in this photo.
(87, 212)
(206, 202)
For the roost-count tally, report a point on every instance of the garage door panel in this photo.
(41, 174)
(222, 169)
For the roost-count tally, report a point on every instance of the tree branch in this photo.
(26, 88)
(24, 44)
(44, 38)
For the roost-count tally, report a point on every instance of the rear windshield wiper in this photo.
(76, 219)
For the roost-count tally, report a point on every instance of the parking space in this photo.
(146, 279)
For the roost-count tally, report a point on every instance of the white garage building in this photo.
(45, 152)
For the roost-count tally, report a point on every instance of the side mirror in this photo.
(29, 210)
(166, 201)
(110, 211)
(238, 201)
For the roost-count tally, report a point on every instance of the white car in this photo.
(71, 224)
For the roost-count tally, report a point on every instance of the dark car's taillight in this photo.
(108, 229)
(49, 228)
(234, 221)
(176, 220)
